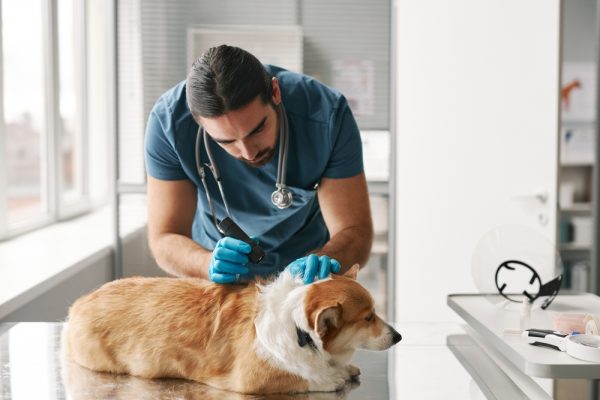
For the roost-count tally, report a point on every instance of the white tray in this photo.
(489, 321)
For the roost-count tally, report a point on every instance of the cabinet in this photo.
(578, 129)
(376, 156)
(575, 199)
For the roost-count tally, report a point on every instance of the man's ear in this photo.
(327, 319)
(352, 273)
(276, 98)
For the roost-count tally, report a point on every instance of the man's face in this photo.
(249, 133)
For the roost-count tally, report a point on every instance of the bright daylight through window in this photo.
(71, 110)
(24, 112)
(45, 136)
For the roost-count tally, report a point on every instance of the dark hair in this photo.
(224, 79)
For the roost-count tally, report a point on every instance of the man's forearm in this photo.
(181, 256)
(349, 246)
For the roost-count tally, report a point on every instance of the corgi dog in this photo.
(262, 338)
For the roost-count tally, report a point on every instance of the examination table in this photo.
(422, 366)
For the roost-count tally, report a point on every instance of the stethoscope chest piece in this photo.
(282, 197)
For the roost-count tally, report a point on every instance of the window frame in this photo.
(55, 205)
(3, 152)
(83, 203)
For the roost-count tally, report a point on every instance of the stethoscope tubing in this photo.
(202, 174)
(281, 161)
(283, 147)
(215, 171)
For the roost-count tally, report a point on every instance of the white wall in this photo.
(476, 126)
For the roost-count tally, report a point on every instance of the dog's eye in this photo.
(370, 317)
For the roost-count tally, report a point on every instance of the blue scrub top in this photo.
(324, 141)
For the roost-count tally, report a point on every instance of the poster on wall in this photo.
(578, 88)
(355, 79)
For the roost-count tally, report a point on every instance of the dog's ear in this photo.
(328, 318)
(352, 273)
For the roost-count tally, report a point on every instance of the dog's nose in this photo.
(396, 337)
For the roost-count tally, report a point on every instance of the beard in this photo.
(262, 158)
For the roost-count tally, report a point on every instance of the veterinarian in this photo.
(240, 105)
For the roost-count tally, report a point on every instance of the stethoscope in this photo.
(281, 197)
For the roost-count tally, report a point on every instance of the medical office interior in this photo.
(474, 115)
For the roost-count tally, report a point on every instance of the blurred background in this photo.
(473, 114)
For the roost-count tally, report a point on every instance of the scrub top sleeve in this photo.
(346, 159)
(162, 161)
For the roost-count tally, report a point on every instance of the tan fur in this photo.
(170, 327)
(347, 305)
(197, 330)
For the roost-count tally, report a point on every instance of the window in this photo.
(23, 108)
(51, 82)
(70, 94)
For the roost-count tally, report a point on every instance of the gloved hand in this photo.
(229, 260)
(313, 267)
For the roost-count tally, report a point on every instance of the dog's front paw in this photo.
(353, 371)
(334, 382)
(339, 382)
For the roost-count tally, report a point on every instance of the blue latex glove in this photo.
(229, 260)
(313, 267)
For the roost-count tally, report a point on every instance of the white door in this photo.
(476, 137)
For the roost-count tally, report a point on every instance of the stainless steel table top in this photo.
(422, 367)
(31, 368)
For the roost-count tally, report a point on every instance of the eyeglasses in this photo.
(516, 280)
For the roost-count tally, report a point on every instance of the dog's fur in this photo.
(279, 337)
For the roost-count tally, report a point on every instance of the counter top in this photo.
(490, 320)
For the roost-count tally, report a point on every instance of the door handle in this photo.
(541, 196)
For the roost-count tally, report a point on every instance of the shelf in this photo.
(488, 321)
(580, 121)
(570, 291)
(578, 208)
(575, 247)
(571, 164)
(378, 187)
